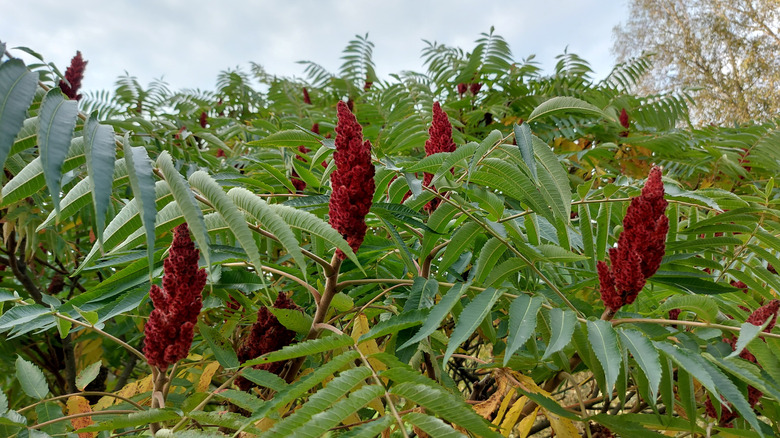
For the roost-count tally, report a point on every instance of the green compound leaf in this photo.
(468, 321)
(562, 323)
(57, 122)
(234, 218)
(605, 344)
(17, 89)
(446, 406)
(305, 348)
(437, 315)
(31, 379)
(221, 347)
(139, 169)
(184, 197)
(522, 322)
(645, 355)
(100, 153)
(562, 104)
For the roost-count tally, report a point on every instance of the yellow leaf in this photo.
(352, 418)
(376, 404)
(502, 409)
(128, 390)
(525, 425)
(563, 427)
(104, 403)
(205, 377)
(367, 347)
(146, 384)
(265, 424)
(511, 417)
(79, 405)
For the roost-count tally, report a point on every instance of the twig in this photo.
(108, 335)
(309, 287)
(104, 394)
(82, 414)
(689, 323)
(331, 283)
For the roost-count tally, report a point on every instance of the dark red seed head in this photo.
(170, 327)
(73, 75)
(353, 180)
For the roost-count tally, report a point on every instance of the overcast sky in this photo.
(189, 42)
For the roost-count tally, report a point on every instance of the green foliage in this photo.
(492, 297)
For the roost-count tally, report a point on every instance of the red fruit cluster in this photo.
(203, 119)
(56, 285)
(266, 335)
(352, 181)
(439, 140)
(306, 98)
(177, 304)
(474, 88)
(640, 248)
(767, 312)
(73, 76)
(624, 122)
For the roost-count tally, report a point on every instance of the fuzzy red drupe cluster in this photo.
(177, 304)
(266, 335)
(473, 87)
(624, 122)
(73, 75)
(640, 247)
(439, 140)
(352, 181)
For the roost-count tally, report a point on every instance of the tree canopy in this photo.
(727, 52)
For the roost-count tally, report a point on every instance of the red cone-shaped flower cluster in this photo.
(352, 181)
(640, 248)
(624, 118)
(266, 335)
(203, 119)
(766, 312)
(73, 75)
(759, 317)
(624, 122)
(306, 98)
(439, 140)
(177, 304)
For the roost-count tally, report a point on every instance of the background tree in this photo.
(729, 51)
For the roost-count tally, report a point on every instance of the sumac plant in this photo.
(478, 249)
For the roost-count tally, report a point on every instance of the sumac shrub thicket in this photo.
(477, 249)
